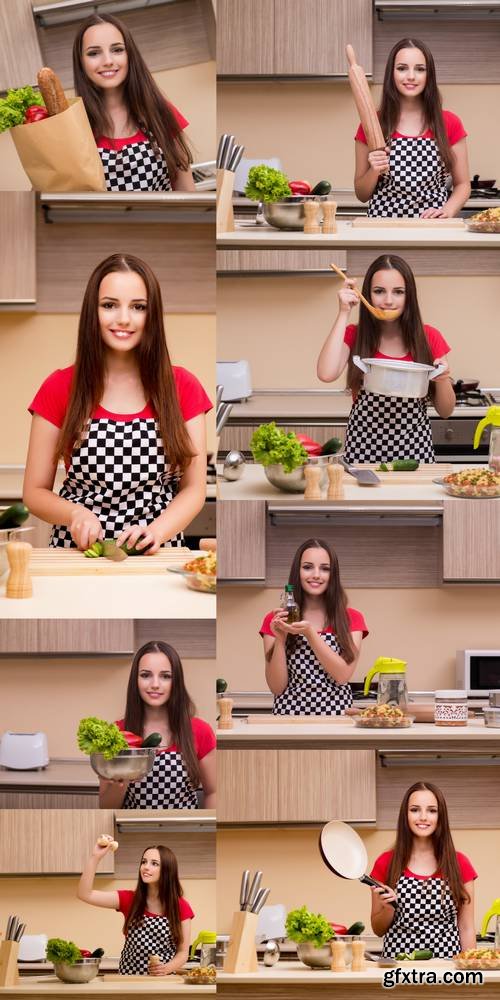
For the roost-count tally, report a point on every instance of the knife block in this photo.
(19, 580)
(241, 953)
(225, 216)
(9, 951)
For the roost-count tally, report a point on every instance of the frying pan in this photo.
(344, 853)
(465, 384)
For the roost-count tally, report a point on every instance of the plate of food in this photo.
(478, 958)
(205, 975)
(484, 222)
(472, 483)
(383, 717)
(199, 573)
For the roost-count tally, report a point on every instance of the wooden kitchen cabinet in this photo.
(245, 38)
(17, 248)
(20, 841)
(247, 786)
(320, 785)
(236, 436)
(241, 526)
(307, 261)
(21, 56)
(68, 836)
(72, 636)
(471, 540)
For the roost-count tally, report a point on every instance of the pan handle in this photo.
(368, 880)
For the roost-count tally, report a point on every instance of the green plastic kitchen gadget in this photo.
(494, 911)
(492, 418)
(392, 681)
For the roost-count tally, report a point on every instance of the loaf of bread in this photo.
(52, 91)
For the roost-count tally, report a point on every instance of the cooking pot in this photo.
(344, 853)
(388, 377)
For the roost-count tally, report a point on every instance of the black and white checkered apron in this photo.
(384, 428)
(119, 471)
(151, 937)
(425, 917)
(167, 786)
(416, 180)
(310, 690)
(135, 167)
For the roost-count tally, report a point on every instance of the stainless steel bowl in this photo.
(295, 482)
(289, 213)
(129, 765)
(321, 958)
(81, 972)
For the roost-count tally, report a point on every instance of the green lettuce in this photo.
(302, 925)
(13, 107)
(96, 736)
(59, 950)
(271, 446)
(266, 184)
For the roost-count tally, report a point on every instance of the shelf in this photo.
(169, 207)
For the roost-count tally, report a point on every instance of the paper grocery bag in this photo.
(59, 153)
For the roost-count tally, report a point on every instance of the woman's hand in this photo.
(382, 897)
(85, 527)
(161, 969)
(444, 375)
(147, 539)
(278, 622)
(347, 296)
(300, 628)
(437, 213)
(99, 852)
(379, 160)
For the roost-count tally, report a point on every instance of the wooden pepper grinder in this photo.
(311, 212)
(19, 580)
(338, 956)
(312, 475)
(329, 210)
(358, 963)
(335, 482)
(225, 717)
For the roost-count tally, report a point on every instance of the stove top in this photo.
(492, 193)
(473, 397)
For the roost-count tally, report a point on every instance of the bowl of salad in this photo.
(478, 958)
(199, 573)
(472, 483)
(383, 717)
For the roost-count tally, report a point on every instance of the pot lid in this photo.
(398, 365)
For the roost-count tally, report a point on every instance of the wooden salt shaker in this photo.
(311, 212)
(312, 475)
(226, 708)
(338, 956)
(358, 963)
(329, 210)
(335, 482)
(19, 580)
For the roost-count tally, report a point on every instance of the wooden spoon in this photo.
(386, 314)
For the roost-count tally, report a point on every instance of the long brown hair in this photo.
(432, 107)
(145, 102)
(368, 332)
(169, 891)
(335, 597)
(153, 359)
(179, 708)
(444, 850)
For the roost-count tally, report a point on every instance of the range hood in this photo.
(48, 15)
(424, 10)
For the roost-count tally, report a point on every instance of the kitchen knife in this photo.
(220, 149)
(20, 931)
(112, 551)
(260, 899)
(254, 888)
(227, 152)
(244, 888)
(235, 158)
(9, 926)
(365, 477)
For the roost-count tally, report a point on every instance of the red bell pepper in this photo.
(312, 447)
(85, 953)
(134, 741)
(338, 928)
(35, 113)
(299, 187)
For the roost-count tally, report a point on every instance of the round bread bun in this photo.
(104, 839)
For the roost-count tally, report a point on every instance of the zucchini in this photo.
(405, 465)
(153, 740)
(133, 551)
(356, 928)
(332, 446)
(322, 187)
(14, 516)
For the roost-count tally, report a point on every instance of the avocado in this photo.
(332, 446)
(14, 516)
(153, 740)
(322, 187)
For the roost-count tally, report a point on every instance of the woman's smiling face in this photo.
(388, 290)
(104, 56)
(422, 813)
(154, 679)
(314, 571)
(122, 310)
(150, 866)
(410, 72)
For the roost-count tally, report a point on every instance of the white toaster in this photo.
(235, 377)
(24, 751)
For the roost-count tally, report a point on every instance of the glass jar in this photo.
(451, 708)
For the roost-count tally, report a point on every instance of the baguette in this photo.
(364, 103)
(52, 91)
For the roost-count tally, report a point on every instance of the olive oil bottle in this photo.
(290, 605)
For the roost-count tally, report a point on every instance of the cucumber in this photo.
(153, 740)
(422, 955)
(383, 467)
(98, 953)
(402, 957)
(356, 928)
(94, 551)
(332, 446)
(133, 551)
(405, 465)
(221, 685)
(14, 516)
(322, 187)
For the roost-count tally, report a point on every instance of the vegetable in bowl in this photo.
(302, 925)
(59, 950)
(267, 184)
(271, 446)
(96, 736)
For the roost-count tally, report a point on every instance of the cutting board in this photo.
(362, 222)
(71, 562)
(115, 977)
(424, 474)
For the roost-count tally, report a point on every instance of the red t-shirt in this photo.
(437, 343)
(126, 896)
(51, 400)
(454, 130)
(380, 869)
(105, 142)
(203, 735)
(356, 621)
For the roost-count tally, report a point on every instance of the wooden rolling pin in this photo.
(364, 103)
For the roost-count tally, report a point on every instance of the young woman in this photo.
(129, 425)
(157, 917)
(383, 428)
(137, 131)
(158, 702)
(309, 664)
(425, 145)
(431, 883)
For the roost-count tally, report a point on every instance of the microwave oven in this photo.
(478, 671)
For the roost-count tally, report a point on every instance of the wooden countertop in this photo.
(50, 986)
(310, 404)
(342, 731)
(346, 198)
(59, 774)
(347, 236)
